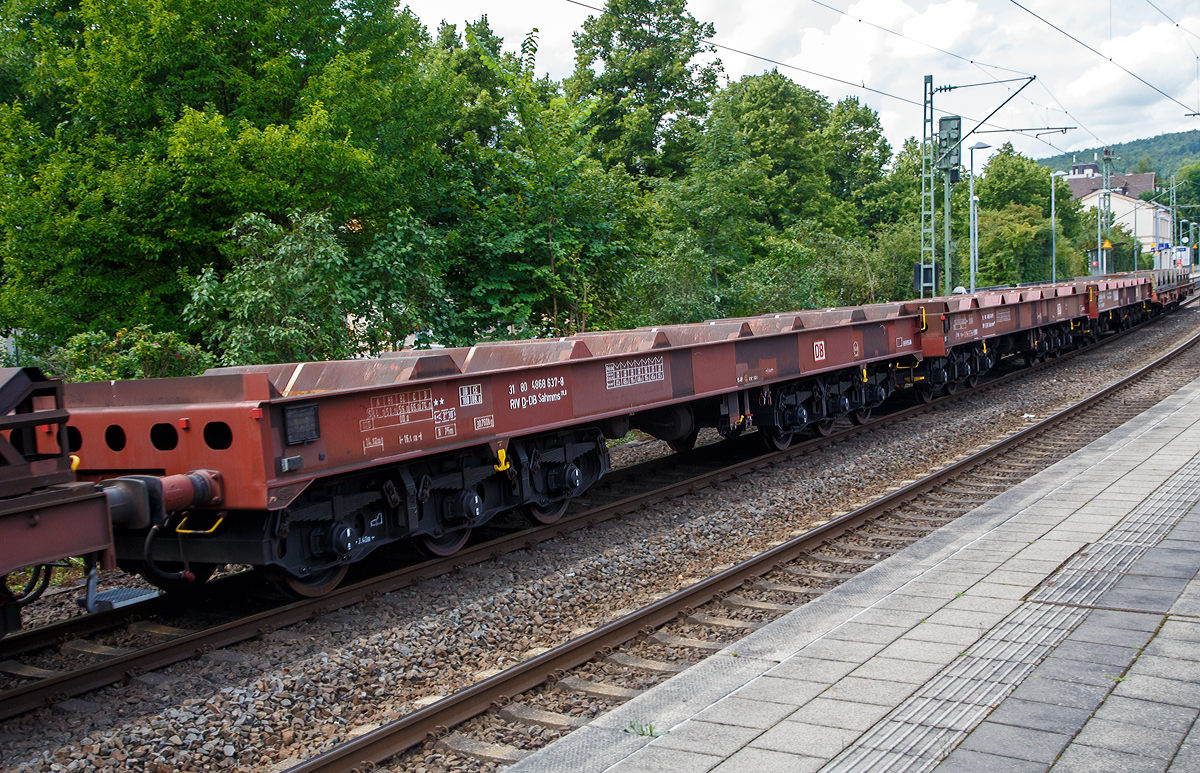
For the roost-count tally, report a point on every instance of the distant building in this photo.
(1149, 222)
(1085, 178)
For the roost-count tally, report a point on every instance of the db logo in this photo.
(818, 350)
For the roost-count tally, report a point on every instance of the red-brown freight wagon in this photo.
(310, 466)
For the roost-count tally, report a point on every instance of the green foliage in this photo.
(384, 188)
(139, 352)
(1165, 154)
(140, 133)
(297, 294)
(636, 59)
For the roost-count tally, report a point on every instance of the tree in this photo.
(858, 155)
(140, 133)
(298, 294)
(637, 60)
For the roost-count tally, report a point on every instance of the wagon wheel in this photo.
(924, 393)
(822, 428)
(860, 417)
(949, 388)
(684, 444)
(776, 440)
(309, 587)
(547, 513)
(446, 545)
(973, 380)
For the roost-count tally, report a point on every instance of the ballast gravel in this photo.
(299, 691)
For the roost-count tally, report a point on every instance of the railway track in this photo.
(686, 473)
(743, 597)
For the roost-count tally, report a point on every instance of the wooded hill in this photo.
(1165, 154)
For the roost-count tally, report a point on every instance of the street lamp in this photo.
(1054, 229)
(975, 215)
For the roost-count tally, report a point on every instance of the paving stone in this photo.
(1130, 738)
(1088, 759)
(1172, 649)
(1187, 759)
(767, 761)
(1019, 742)
(946, 634)
(842, 714)
(1151, 582)
(1163, 716)
(1059, 693)
(896, 670)
(1090, 652)
(1136, 621)
(967, 761)
(1039, 716)
(655, 759)
(973, 603)
(965, 619)
(813, 669)
(858, 690)
(1167, 668)
(1183, 630)
(1137, 599)
(1152, 688)
(997, 590)
(867, 633)
(1118, 637)
(792, 692)
(805, 739)
(896, 618)
(1026, 580)
(922, 651)
(708, 738)
(908, 603)
(1163, 562)
(848, 651)
(745, 712)
(1069, 670)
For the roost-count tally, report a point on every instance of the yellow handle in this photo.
(180, 530)
(74, 462)
(504, 463)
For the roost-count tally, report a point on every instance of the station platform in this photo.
(1056, 627)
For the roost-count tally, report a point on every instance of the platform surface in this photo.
(1056, 627)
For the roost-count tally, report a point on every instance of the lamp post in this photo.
(974, 215)
(1054, 229)
(1185, 227)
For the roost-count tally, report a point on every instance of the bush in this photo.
(139, 352)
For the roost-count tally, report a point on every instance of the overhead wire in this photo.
(1109, 59)
(1189, 45)
(978, 65)
(851, 84)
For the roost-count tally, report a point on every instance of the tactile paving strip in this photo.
(919, 733)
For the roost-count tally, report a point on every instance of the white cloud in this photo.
(1100, 97)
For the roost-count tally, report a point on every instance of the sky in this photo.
(979, 42)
